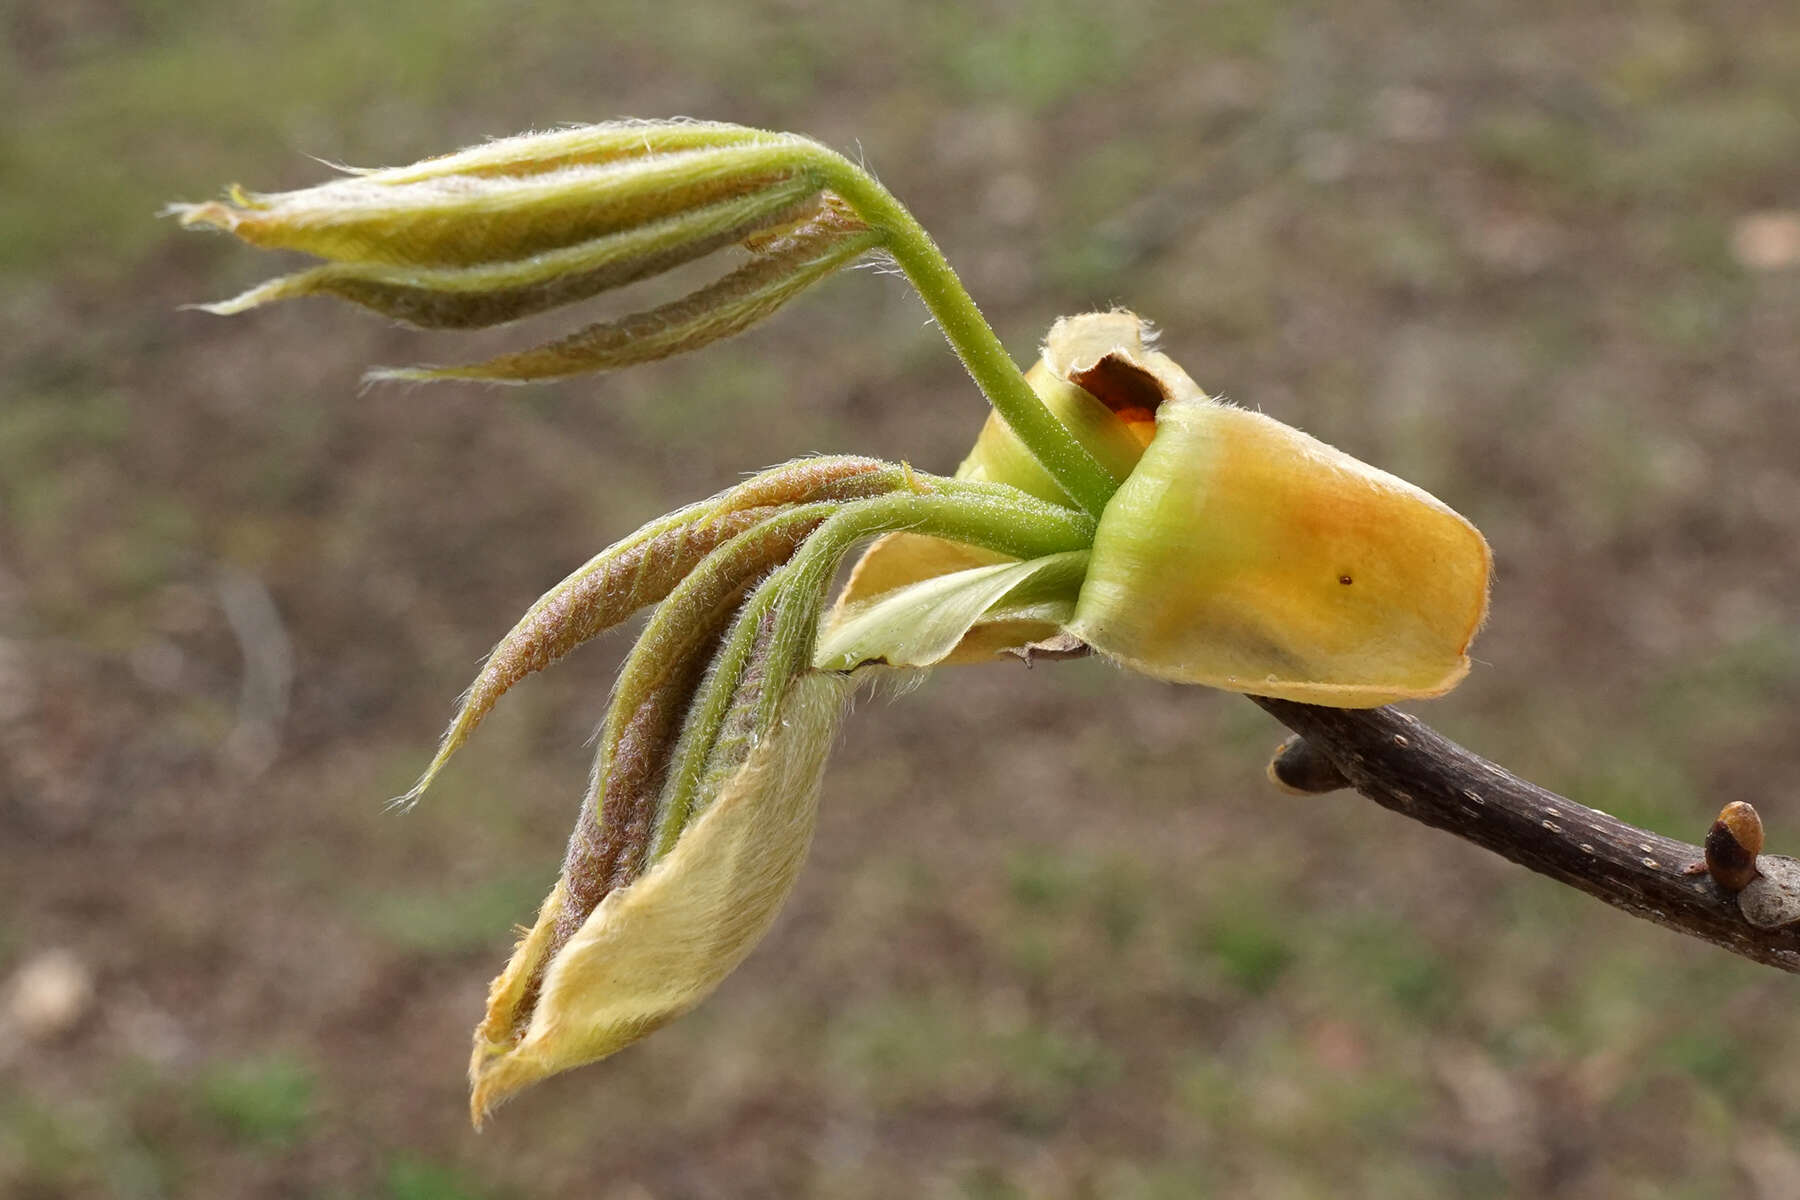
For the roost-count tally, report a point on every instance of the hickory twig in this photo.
(1404, 765)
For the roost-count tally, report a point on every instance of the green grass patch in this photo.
(436, 921)
(915, 1050)
(1541, 147)
(200, 96)
(410, 1178)
(267, 1102)
(1037, 56)
(1250, 948)
(1716, 1056)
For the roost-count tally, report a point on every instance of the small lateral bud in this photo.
(1732, 845)
(1298, 767)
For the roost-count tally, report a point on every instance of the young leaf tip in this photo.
(657, 947)
(518, 226)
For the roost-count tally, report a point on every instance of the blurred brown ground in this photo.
(1057, 937)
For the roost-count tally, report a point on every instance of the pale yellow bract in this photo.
(653, 950)
(1283, 567)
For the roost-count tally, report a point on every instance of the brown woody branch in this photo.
(1403, 765)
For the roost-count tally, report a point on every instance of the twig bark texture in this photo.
(1404, 765)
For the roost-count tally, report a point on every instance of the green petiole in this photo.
(992, 516)
(1070, 463)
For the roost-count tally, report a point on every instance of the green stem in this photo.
(1076, 470)
(992, 516)
(1017, 524)
(712, 700)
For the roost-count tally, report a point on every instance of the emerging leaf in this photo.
(507, 209)
(642, 569)
(1180, 536)
(522, 225)
(831, 239)
(630, 899)
(494, 293)
(653, 950)
(921, 624)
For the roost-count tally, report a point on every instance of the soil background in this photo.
(1057, 936)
